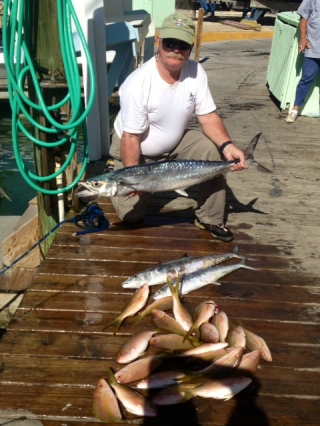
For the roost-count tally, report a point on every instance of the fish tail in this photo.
(108, 325)
(250, 267)
(110, 377)
(117, 322)
(236, 254)
(174, 289)
(139, 319)
(188, 394)
(249, 156)
(117, 325)
(175, 294)
(193, 340)
(187, 335)
(243, 265)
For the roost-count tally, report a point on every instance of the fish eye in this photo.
(95, 183)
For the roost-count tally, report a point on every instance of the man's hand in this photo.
(303, 44)
(230, 153)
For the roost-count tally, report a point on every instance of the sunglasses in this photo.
(171, 43)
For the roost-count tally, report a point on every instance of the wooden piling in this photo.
(199, 35)
(43, 43)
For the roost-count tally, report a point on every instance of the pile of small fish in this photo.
(215, 360)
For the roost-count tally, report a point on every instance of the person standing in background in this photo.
(309, 43)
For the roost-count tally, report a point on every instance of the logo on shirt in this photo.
(192, 101)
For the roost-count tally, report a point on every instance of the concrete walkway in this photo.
(214, 30)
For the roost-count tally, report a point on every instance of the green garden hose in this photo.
(19, 65)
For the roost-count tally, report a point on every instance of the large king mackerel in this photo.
(162, 176)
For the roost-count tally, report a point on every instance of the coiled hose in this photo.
(15, 49)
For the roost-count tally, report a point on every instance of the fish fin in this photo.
(4, 194)
(181, 192)
(236, 249)
(129, 181)
(216, 283)
(248, 153)
(227, 398)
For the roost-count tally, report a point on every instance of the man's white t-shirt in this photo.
(158, 110)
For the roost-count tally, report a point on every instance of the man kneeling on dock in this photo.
(156, 102)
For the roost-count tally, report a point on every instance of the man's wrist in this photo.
(222, 147)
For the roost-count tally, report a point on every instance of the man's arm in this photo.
(214, 128)
(130, 149)
(303, 41)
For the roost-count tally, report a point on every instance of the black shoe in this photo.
(220, 232)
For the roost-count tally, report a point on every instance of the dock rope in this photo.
(92, 218)
(16, 15)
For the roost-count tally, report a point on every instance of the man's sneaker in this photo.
(220, 232)
(291, 118)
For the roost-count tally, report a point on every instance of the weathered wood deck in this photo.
(55, 349)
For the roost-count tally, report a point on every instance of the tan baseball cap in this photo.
(178, 26)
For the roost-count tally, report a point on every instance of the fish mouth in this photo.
(88, 191)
